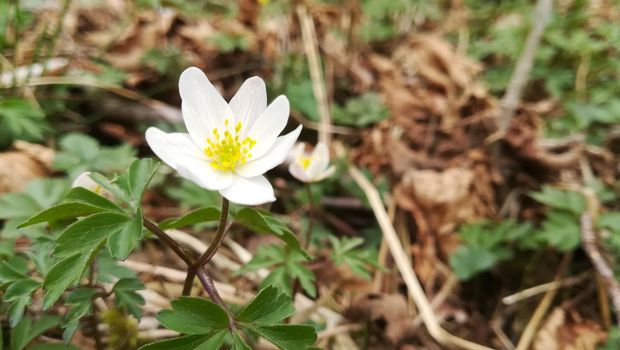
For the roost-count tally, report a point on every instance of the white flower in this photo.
(310, 167)
(84, 180)
(230, 145)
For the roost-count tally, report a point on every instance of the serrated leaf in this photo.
(9, 273)
(239, 343)
(26, 331)
(65, 273)
(194, 316)
(66, 210)
(122, 241)
(610, 220)
(134, 182)
(188, 342)
(561, 199)
(561, 230)
(84, 235)
(113, 188)
(469, 260)
(92, 198)
(269, 306)
(287, 336)
(263, 222)
(20, 288)
(192, 218)
(80, 301)
(126, 296)
(16, 309)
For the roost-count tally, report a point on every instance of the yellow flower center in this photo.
(305, 162)
(227, 151)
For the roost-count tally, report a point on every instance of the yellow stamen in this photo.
(305, 162)
(228, 152)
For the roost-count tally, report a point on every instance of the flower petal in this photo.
(249, 191)
(249, 102)
(327, 173)
(204, 175)
(203, 107)
(320, 160)
(269, 125)
(274, 156)
(298, 172)
(172, 147)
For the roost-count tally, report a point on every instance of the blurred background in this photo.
(490, 128)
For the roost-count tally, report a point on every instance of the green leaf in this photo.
(54, 346)
(192, 218)
(126, 296)
(80, 301)
(610, 221)
(269, 306)
(92, 198)
(263, 222)
(188, 342)
(134, 182)
(239, 343)
(20, 119)
(122, 241)
(469, 260)
(26, 331)
(287, 336)
(194, 316)
(9, 273)
(561, 230)
(561, 199)
(20, 288)
(65, 273)
(66, 210)
(86, 234)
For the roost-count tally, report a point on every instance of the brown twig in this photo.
(532, 326)
(521, 73)
(588, 237)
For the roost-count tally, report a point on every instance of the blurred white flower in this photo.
(84, 180)
(310, 166)
(229, 146)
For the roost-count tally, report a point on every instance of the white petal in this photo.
(203, 107)
(296, 152)
(320, 161)
(204, 175)
(298, 172)
(249, 191)
(84, 180)
(249, 102)
(269, 125)
(172, 147)
(327, 173)
(276, 155)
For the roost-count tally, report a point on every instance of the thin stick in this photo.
(545, 287)
(404, 267)
(532, 326)
(521, 73)
(602, 267)
(209, 286)
(308, 33)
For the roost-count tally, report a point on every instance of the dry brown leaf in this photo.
(559, 332)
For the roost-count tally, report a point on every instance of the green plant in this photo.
(20, 119)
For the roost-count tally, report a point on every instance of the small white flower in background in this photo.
(84, 180)
(229, 146)
(310, 166)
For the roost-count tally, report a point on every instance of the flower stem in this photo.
(188, 258)
(222, 229)
(308, 234)
(171, 243)
(93, 318)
